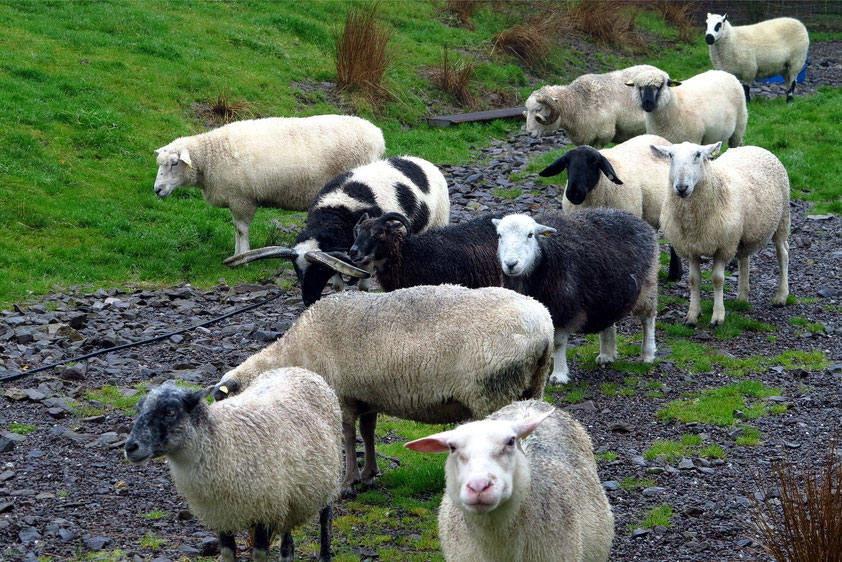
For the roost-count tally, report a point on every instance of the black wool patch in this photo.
(413, 171)
(407, 199)
(360, 191)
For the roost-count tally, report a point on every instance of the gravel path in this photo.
(65, 491)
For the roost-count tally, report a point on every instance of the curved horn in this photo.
(383, 219)
(269, 252)
(552, 104)
(336, 261)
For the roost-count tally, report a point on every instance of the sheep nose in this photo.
(681, 190)
(131, 446)
(479, 485)
(709, 39)
(510, 264)
(354, 253)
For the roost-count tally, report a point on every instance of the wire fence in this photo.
(752, 11)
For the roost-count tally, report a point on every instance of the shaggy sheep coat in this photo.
(462, 254)
(557, 509)
(433, 354)
(726, 208)
(594, 109)
(271, 455)
(762, 50)
(706, 108)
(272, 162)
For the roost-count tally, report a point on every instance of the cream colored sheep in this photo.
(626, 177)
(768, 48)
(522, 485)
(434, 354)
(273, 162)
(725, 208)
(706, 108)
(594, 109)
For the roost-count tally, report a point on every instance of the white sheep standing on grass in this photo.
(706, 108)
(725, 208)
(279, 162)
(268, 459)
(594, 109)
(762, 50)
(522, 485)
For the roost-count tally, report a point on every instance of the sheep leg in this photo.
(647, 347)
(367, 424)
(325, 518)
(337, 283)
(790, 92)
(675, 272)
(718, 278)
(782, 249)
(561, 371)
(607, 346)
(260, 550)
(695, 285)
(227, 547)
(352, 471)
(746, 90)
(287, 548)
(242, 219)
(743, 272)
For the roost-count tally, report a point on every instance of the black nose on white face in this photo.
(709, 39)
(682, 190)
(510, 265)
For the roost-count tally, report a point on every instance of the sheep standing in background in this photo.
(762, 50)
(433, 354)
(725, 208)
(404, 184)
(590, 269)
(594, 109)
(522, 484)
(706, 108)
(463, 254)
(627, 177)
(274, 162)
(268, 459)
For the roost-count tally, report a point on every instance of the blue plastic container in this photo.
(799, 79)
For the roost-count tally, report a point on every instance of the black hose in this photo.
(133, 344)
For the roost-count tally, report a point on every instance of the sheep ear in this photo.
(159, 150)
(495, 222)
(672, 83)
(608, 170)
(437, 443)
(542, 230)
(184, 156)
(724, 17)
(526, 426)
(523, 113)
(556, 167)
(660, 151)
(630, 83)
(193, 399)
(711, 150)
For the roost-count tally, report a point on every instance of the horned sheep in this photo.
(590, 269)
(725, 208)
(521, 484)
(411, 186)
(762, 50)
(433, 354)
(626, 177)
(706, 108)
(594, 109)
(268, 459)
(462, 254)
(272, 162)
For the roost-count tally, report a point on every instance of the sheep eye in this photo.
(530, 235)
(698, 155)
(500, 236)
(453, 448)
(511, 442)
(717, 26)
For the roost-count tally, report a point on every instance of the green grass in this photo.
(109, 398)
(717, 405)
(750, 438)
(629, 484)
(512, 193)
(660, 515)
(154, 515)
(151, 541)
(670, 450)
(606, 456)
(21, 429)
(802, 322)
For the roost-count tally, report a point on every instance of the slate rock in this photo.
(29, 534)
(639, 533)
(67, 535)
(16, 394)
(209, 546)
(686, 464)
(6, 445)
(610, 485)
(97, 543)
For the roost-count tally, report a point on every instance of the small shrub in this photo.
(463, 10)
(808, 524)
(362, 54)
(455, 78)
(528, 42)
(604, 21)
(223, 110)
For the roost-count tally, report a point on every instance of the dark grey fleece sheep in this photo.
(462, 254)
(590, 269)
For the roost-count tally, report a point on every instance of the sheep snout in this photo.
(709, 39)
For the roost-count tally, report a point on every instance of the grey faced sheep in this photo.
(768, 48)
(725, 208)
(521, 485)
(590, 269)
(433, 354)
(273, 162)
(462, 254)
(706, 108)
(594, 109)
(411, 186)
(626, 177)
(268, 459)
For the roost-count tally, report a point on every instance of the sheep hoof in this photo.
(559, 378)
(690, 323)
(368, 479)
(346, 492)
(716, 323)
(605, 359)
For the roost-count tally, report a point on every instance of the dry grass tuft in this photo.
(679, 14)
(528, 42)
(222, 110)
(463, 10)
(362, 54)
(608, 22)
(807, 525)
(455, 78)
